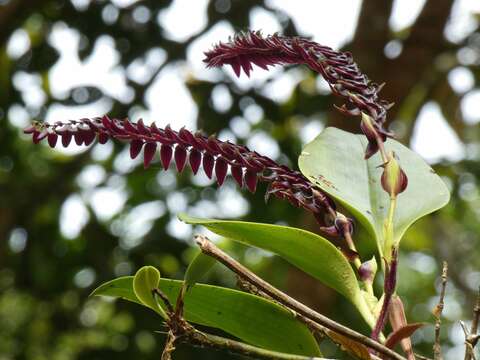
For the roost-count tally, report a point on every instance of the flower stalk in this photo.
(389, 286)
(394, 181)
(367, 272)
(344, 228)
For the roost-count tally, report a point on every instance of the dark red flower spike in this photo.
(338, 68)
(247, 167)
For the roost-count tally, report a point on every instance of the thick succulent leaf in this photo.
(308, 251)
(253, 319)
(335, 162)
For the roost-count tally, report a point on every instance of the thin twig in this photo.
(471, 338)
(437, 348)
(318, 330)
(421, 357)
(210, 249)
(476, 315)
(202, 339)
(169, 346)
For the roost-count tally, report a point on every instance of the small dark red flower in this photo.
(166, 153)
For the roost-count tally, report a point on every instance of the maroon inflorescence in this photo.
(246, 167)
(338, 68)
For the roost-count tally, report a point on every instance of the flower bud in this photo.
(368, 270)
(394, 179)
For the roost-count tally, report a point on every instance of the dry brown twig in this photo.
(169, 346)
(421, 357)
(181, 330)
(208, 248)
(472, 337)
(317, 330)
(437, 312)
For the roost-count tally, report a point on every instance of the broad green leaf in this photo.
(146, 279)
(198, 268)
(251, 318)
(308, 251)
(335, 162)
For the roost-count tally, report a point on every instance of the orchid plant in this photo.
(381, 183)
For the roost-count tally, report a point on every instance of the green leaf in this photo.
(335, 162)
(121, 287)
(198, 268)
(146, 279)
(253, 319)
(308, 251)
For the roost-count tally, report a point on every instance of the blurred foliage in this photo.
(46, 274)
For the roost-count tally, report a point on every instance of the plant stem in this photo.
(210, 249)
(390, 268)
(357, 262)
(351, 246)
(389, 236)
(390, 283)
(472, 338)
(381, 148)
(437, 349)
(202, 339)
(345, 228)
(476, 315)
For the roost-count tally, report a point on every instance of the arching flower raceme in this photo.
(338, 68)
(216, 157)
(246, 167)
